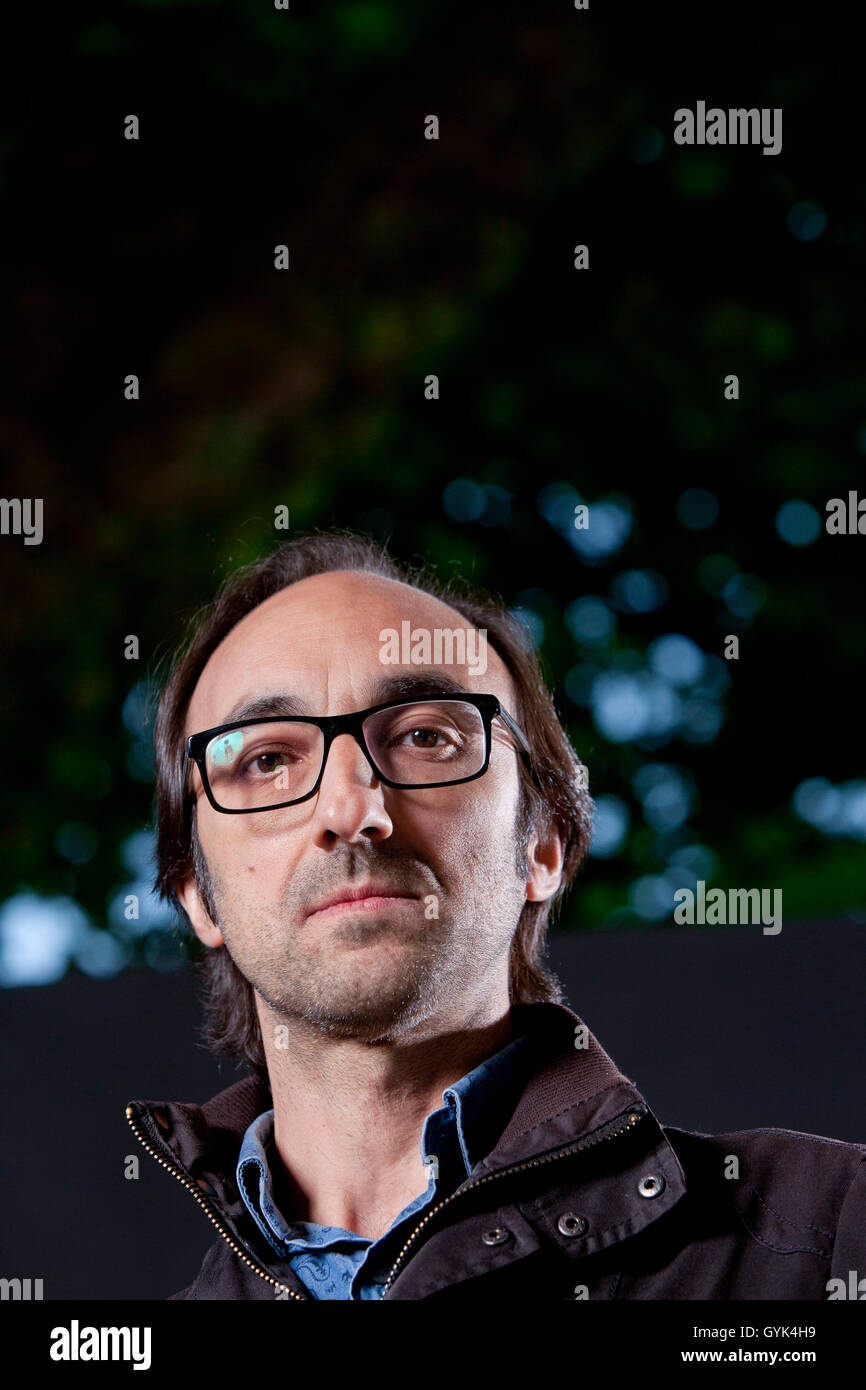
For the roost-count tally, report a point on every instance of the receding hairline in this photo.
(375, 581)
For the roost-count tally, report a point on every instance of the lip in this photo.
(368, 898)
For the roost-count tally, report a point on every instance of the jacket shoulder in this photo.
(784, 1179)
(770, 1149)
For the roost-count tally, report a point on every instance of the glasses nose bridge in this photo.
(353, 726)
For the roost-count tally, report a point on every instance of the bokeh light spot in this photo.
(798, 523)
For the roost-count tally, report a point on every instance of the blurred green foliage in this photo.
(455, 257)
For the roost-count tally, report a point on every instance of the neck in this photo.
(349, 1115)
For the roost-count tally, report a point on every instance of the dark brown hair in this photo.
(555, 794)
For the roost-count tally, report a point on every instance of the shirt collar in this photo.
(482, 1101)
(476, 1108)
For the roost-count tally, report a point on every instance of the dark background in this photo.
(304, 388)
(719, 1032)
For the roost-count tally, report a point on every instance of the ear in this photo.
(546, 856)
(207, 931)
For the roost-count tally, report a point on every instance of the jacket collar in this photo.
(574, 1087)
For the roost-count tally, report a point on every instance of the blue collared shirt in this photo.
(337, 1264)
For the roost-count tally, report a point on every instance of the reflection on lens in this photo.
(264, 764)
(224, 750)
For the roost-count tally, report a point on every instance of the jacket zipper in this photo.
(618, 1125)
(206, 1208)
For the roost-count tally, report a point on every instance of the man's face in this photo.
(438, 953)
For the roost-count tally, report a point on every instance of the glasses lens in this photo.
(263, 765)
(427, 742)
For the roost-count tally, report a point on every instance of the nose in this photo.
(349, 805)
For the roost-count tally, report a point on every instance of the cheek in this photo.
(477, 819)
(242, 857)
(493, 800)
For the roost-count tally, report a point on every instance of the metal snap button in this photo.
(571, 1224)
(651, 1185)
(497, 1236)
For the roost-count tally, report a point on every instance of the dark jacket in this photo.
(585, 1195)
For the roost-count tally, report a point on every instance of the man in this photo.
(368, 842)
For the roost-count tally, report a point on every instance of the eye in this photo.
(266, 762)
(425, 737)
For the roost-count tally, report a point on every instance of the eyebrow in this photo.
(266, 705)
(411, 683)
(418, 684)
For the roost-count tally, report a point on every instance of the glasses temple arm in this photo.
(517, 733)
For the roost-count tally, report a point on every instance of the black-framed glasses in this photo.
(266, 763)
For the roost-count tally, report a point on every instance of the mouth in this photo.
(368, 899)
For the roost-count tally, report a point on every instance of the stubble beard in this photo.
(331, 987)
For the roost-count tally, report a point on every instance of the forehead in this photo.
(320, 641)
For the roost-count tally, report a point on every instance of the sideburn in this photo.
(201, 874)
